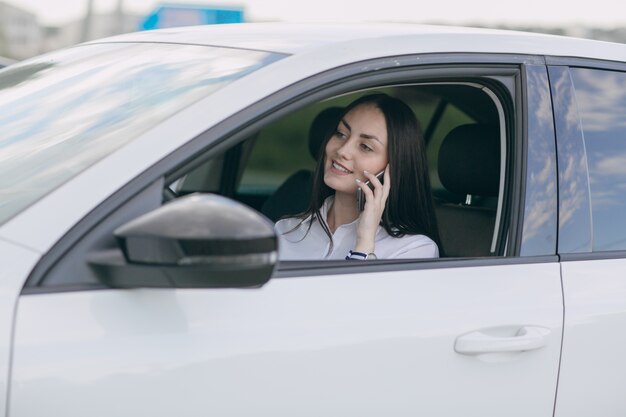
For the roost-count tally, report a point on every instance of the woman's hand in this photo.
(372, 213)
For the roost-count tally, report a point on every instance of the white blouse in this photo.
(294, 243)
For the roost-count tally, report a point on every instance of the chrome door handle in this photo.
(481, 341)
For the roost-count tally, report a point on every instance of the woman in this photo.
(376, 133)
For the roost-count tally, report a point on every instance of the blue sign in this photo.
(187, 15)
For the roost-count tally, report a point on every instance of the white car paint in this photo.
(593, 371)
(366, 345)
(375, 40)
(16, 264)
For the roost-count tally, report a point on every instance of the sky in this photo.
(601, 13)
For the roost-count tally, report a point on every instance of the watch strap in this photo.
(360, 256)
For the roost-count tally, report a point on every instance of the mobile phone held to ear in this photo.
(360, 198)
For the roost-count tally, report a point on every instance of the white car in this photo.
(139, 268)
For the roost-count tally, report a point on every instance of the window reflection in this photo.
(601, 99)
(539, 233)
(574, 206)
(61, 113)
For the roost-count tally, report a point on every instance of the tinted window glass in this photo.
(279, 150)
(575, 230)
(601, 99)
(540, 210)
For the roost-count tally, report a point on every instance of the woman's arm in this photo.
(369, 219)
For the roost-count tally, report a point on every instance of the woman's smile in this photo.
(339, 169)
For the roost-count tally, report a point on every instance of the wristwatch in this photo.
(360, 256)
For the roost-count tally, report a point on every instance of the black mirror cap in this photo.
(199, 229)
(114, 272)
(197, 241)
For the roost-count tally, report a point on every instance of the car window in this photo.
(277, 168)
(279, 150)
(282, 148)
(62, 112)
(601, 100)
(469, 224)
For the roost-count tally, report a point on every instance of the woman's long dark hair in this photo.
(409, 208)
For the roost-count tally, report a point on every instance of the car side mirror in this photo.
(196, 241)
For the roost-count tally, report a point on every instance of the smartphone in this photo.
(360, 198)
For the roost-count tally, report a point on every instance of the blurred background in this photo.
(32, 27)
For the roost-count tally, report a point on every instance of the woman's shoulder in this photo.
(293, 228)
(286, 224)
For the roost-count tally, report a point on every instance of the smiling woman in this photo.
(376, 133)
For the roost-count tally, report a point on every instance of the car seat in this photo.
(293, 195)
(469, 165)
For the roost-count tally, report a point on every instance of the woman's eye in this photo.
(366, 148)
(340, 134)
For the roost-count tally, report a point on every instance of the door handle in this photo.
(492, 341)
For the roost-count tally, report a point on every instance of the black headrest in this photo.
(324, 122)
(469, 160)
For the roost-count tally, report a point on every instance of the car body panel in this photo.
(593, 371)
(357, 42)
(353, 344)
(16, 263)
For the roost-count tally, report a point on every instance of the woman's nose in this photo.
(345, 150)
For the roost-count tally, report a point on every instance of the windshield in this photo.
(62, 112)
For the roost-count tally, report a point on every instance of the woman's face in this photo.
(359, 144)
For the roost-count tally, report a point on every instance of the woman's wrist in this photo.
(362, 250)
(364, 247)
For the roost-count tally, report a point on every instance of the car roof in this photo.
(381, 39)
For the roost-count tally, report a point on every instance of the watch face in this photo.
(371, 256)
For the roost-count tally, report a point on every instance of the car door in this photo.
(590, 101)
(452, 336)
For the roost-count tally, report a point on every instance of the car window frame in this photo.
(503, 68)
